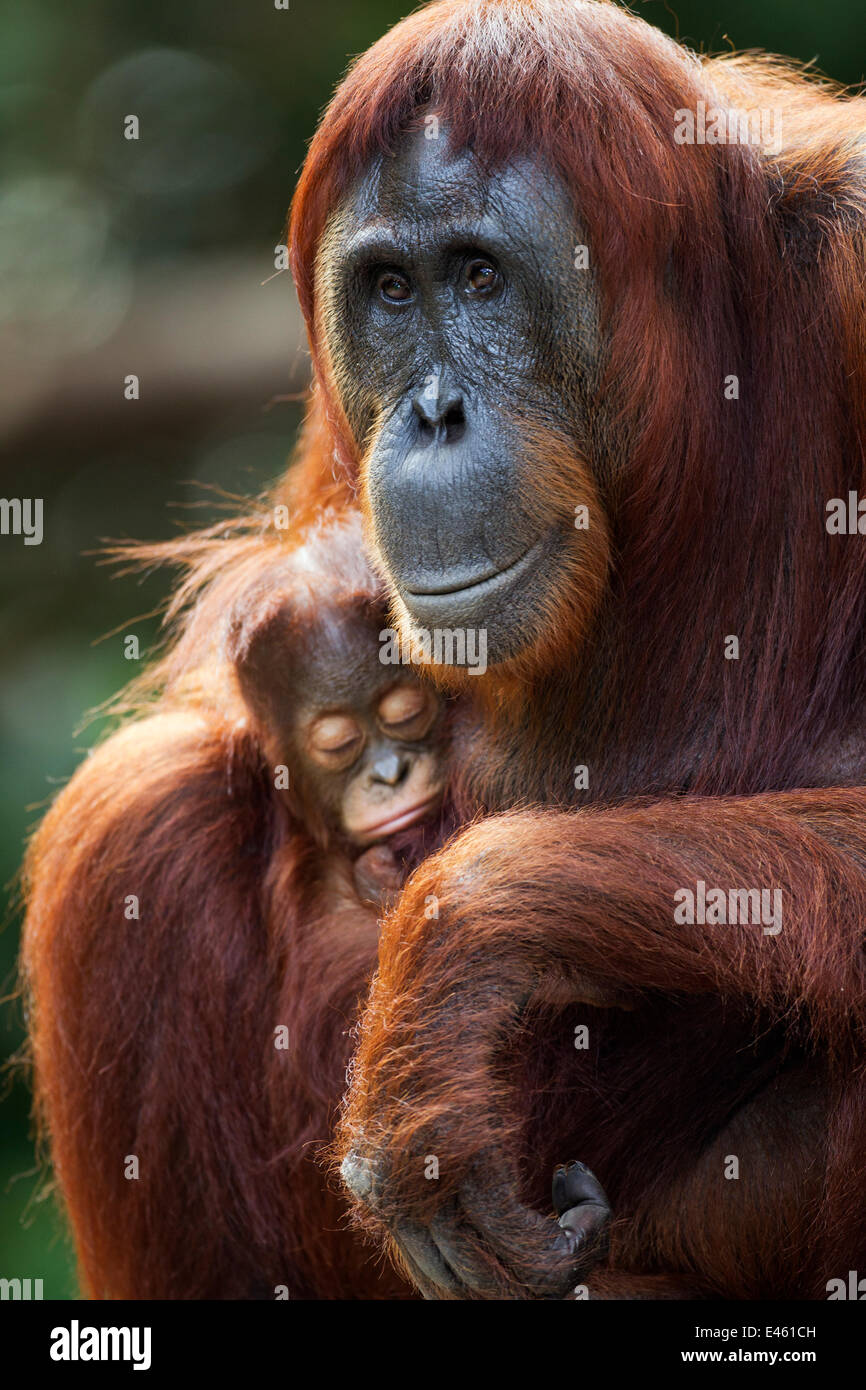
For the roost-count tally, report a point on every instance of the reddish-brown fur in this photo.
(709, 261)
(155, 1037)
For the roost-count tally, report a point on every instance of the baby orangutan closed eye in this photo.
(357, 748)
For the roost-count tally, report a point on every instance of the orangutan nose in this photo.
(391, 768)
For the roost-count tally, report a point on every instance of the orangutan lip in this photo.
(401, 822)
(492, 578)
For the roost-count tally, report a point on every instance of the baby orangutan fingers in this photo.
(378, 876)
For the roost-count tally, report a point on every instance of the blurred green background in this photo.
(119, 257)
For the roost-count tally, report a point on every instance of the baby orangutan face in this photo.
(374, 765)
(363, 741)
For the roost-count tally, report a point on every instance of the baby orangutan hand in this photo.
(378, 876)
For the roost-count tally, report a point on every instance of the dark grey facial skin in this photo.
(451, 302)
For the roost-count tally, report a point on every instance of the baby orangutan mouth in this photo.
(400, 819)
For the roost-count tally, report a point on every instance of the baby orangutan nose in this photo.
(391, 768)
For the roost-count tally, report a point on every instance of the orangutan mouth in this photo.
(382, 830)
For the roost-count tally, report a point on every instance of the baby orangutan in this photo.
(357, 748)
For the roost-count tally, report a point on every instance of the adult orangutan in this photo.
(595, 383)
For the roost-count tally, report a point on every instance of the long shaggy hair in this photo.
(153, 1036)
(712, 262)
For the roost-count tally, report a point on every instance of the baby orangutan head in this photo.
(363, 742)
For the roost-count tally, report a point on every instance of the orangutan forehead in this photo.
(338, 664)
(425, 183)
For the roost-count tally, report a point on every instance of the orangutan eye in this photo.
(407, 711)
(482, 277)
(394, 287)
(335, 740)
